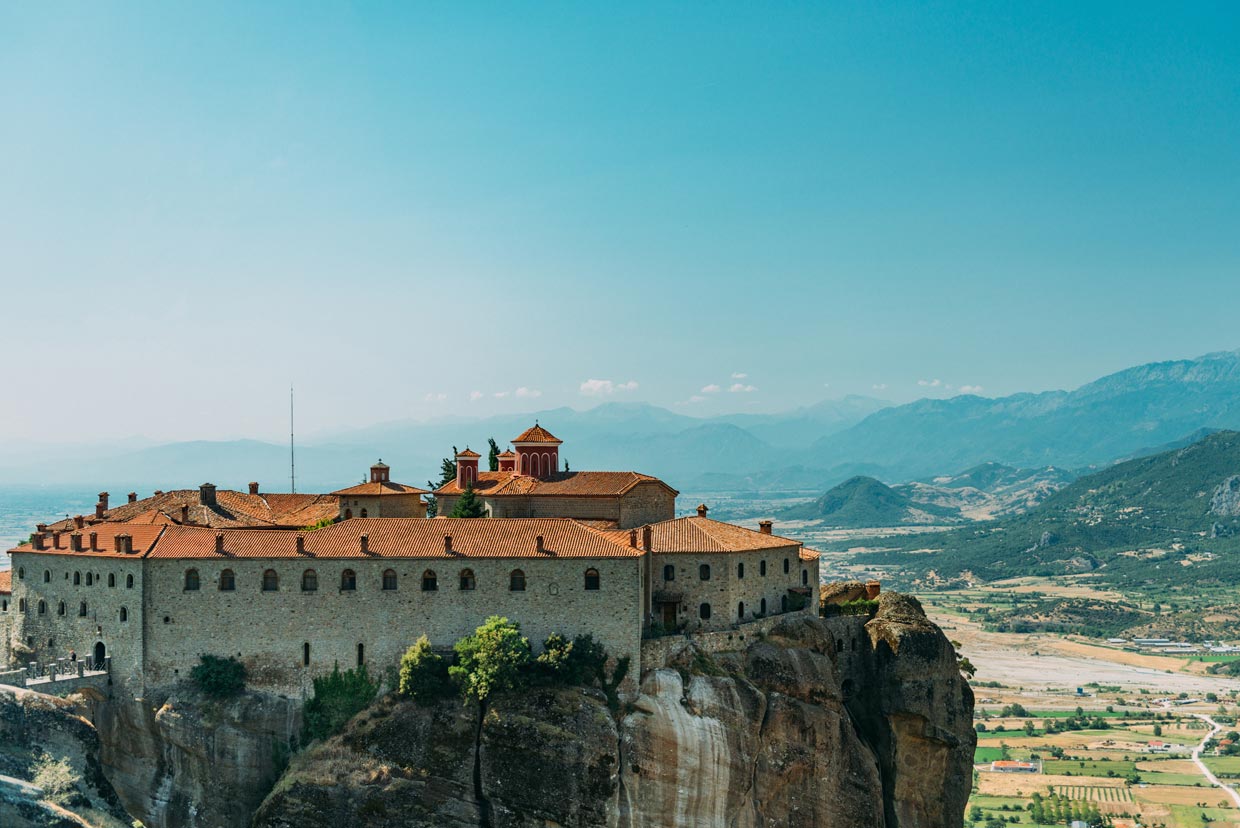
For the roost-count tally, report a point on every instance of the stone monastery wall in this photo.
(739, 587)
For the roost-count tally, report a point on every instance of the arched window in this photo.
(704, 612)
(191, 580)
(804, 577)
(89, 580)
(111, 579)
(516, 581)
(21, 573)
(129, 582)
(348, 581)
(60, 609)
(740, 570)
(389, 579)
(77, 578)
(669, 572)
(704, 572)
(305, 654)
(42, 608)
(228, 581)
(348, 514)
(309, 581)
(82, 610)
(762, 568)
(592, 579)
(4, 606)
(762, 607)
(361, 654)
(740, 611)
(124, 615)
(467, 579)
(21, 604)
(271, 581)
(429, 582)
(786, 566)
(47, 576)
(363, 515)
(783, 603)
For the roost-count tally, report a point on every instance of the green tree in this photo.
(1157, 730)
(976, 814)
(490, 660)
(468, 505)
(424, 673)
(338, 697)
(1029, 727)
(493, 454)
(218, 677)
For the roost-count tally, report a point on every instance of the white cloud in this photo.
(741, 388)
(970, 389)
(711, 389)
(432, 396)
(739, 376)
(528, 392)
(499, 395)
(475, 395)
(605, 388)
(934, 383)
(879, 386)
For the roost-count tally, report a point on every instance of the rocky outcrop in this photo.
(50, 774)
(848, 721)
(180, 760)
(1225, 500)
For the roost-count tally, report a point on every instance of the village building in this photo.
(380, 497)
(529, 483)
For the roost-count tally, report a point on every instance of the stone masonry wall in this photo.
(52, 635)
(390, 506)
(646, 503)
(268, 630)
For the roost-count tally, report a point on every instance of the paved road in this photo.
(1215, 728)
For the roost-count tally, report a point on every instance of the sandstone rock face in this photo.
(50, 773)
(180, 760)
(840, 722)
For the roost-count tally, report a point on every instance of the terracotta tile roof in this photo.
(563, 484)
(809, 554)
(509, 453)
(468, 453)
(6, 582)
(232, 509)
(144, 537)
(403, 538)
(698, 534)
(537, 434)
(373, 489)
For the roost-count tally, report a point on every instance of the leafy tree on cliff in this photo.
(468, 505)
(490, 660)
(493, 454)
(337, 698)
(218, 677)
(424, 673)
(447, 473)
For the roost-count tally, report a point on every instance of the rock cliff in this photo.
(848, 721)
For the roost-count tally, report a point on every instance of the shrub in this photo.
(424, 673)
(490, 660)
(338, 697)
(218, 677)
(56, 777)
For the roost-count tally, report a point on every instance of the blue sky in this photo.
(417, 210)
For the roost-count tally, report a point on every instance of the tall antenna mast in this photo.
(292, 450)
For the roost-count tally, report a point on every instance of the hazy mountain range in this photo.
(1126, 414)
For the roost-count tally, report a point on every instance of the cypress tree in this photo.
(468, 505)
(493, 454)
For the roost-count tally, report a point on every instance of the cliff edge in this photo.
(848, 721)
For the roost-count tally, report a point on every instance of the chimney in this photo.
(100, 507)
(133, 497)
(94, 541)
(872, 589)
(158, 492)
(37, 540)
(75, 542)
(219, 543)
(365, 540)
(41, 527)
(764, 526)
(253, 488)
(206, 495)
(124, 544)
(79, 521)
(702, 510)
(103, 499)
(647, 537)
(184, 513)
(55, 539)
(301, 541)
(538, 544)
(633, 538)
(447, 544)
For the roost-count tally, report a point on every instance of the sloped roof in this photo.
(6, 582)
(537, 434)
(561, 484)
(232, 509)
(699, 534)
(381, 488)
(403, 538)
(144, 538)
(468, 452)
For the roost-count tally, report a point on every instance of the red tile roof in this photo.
(232, 509)
(536, 434)
(144, 538)
(563, 484)
(467, 452)
(373, 489)
(403, 538)
(508, 453)
(698, 534)
(6, 582)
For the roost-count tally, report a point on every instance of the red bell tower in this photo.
(538, 452)
(466, 468)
